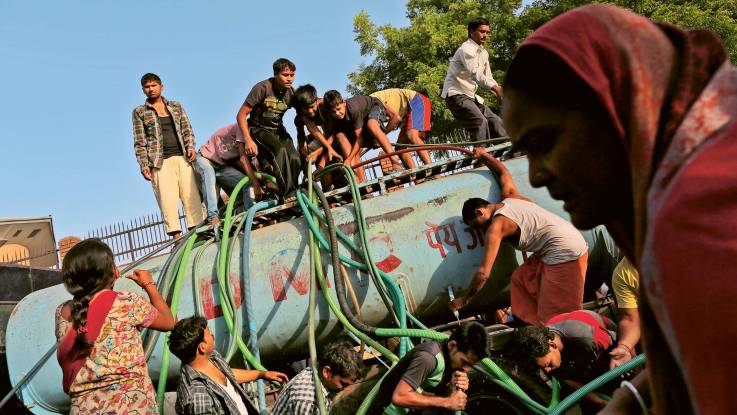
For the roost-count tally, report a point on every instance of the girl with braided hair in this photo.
(98, 330)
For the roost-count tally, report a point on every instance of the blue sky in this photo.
(70, 78)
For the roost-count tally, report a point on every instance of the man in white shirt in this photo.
(469, 67)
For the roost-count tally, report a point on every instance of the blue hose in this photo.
(252, 329)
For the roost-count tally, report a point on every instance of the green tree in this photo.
(416, 56)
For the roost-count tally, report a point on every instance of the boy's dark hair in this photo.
(341, 358)
(282, 63)
(332, 98)
(87, 268)
(471, 337)
(532, 343)
(305, 96)
(469, 208)
(186, 337)
(474, 24)
(150, 77)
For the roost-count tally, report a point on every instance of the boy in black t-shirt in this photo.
(317, 145)
(361, 122)
(260, 122)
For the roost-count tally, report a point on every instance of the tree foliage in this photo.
(416, 56)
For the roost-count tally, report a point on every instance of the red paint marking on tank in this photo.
(389, 263)
(208, 303)
(235, 282)
(299, 281)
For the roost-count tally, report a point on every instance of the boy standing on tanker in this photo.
(260, 122)
(165, 148)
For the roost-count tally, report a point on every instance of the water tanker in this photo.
(417, 236)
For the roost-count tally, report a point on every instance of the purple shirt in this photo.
(223, 145)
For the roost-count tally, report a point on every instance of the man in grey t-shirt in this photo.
(551, 280)
(433, 374)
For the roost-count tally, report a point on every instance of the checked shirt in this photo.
(298, 398)
(197, 394)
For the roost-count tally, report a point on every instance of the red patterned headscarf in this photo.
(673, 100)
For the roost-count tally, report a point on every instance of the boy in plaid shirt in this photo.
(339, 368)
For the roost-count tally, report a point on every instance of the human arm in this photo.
(356, 146)
(164, 320)
(406, 397)
(187, 134)
(245, 164)
(140, 144)
(245, 376)
(299, 125)
(500, 228)
(394, 119)
(327, 143)
(623, 400)
(242, 119)
(628, 335)
(506, 181)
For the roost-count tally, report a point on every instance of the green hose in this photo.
(600, 381)
(314, 258)
(342, 318)
(150, 337)
(369, 399)
(394, 289)
(164, 371)
(237, 317)
(222, 273)
(384, 332)
(371, 268)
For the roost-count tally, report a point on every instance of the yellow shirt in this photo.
(397, 99)
(626, 284)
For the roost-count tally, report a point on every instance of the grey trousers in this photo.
(476, 118)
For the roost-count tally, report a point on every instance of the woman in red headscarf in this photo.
(632, 124)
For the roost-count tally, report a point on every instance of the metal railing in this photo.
(24, 258)
(130, 241)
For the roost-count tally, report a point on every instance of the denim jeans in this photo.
(208, 174)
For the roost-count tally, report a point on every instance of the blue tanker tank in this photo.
(417, 236)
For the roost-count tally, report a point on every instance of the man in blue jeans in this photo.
(222, 160)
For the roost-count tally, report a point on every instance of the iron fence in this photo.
(136, 238)
(23, 258)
